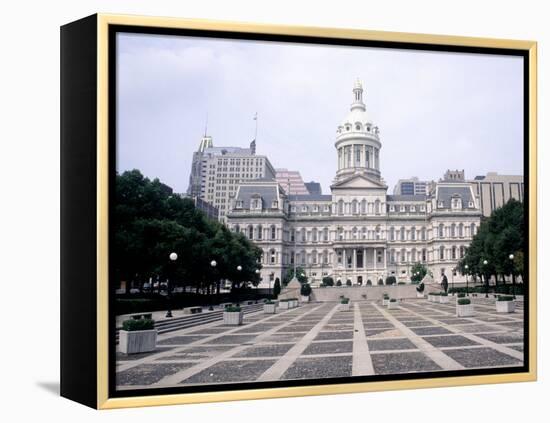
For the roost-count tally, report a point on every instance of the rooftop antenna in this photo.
(256, 128)
(206, 125)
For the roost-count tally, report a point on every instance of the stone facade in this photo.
(358, 232)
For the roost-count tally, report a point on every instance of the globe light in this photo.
(511, 257)
(485, 262)
(213, 263)
(173, 256)
(239, 268)
(257, 271)
(466, 266)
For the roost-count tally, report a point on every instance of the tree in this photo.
(420, 269)
(301, 275)
(390, 280)
(276, 287)
(498, 236)
(305, 290)
(328, 281)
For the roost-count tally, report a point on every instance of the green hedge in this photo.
(131, 325)
(463, 301)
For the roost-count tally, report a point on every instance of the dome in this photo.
(356, 115)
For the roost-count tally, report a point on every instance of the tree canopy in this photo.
(498, 236)
(150, 221)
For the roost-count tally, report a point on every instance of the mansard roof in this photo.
(446, 192)
(415, 197)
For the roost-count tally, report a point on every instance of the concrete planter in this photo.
(392, 305)
(305, 298)
(505, 306)
(270, 308)
(419, 294)
(345, 307)
(233, 318)
(431, 298)
(443, 299)
(137, 341)
(385, 302)
(466, 310)
(284, 305)
(294, 304)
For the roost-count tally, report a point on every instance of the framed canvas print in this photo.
(256, 211)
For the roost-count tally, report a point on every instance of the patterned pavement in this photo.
(318, 340)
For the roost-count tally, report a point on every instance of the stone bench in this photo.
(192, 310)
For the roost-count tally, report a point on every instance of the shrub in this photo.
(232, 309)
(463, 301)
(380, 282)
(276, 287)
(401, 283)
(305, 290)
(131, 325)
(338, 282)
(461, 295)
(386, 297)
(344, 300)
(434, 293)
(328, 281)
(420, 287)
(393, 300)
(348, 282)
(391, 280)
(269, 302)
(443, 294)
(505, 298)
(369, 282)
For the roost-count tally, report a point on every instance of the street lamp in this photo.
(453, 270)
(466, 270)
(173, 257)
(511, 257)
(485, 262)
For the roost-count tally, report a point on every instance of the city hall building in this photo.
(358, 232)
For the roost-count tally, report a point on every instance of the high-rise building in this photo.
(291, 178)
(495, 190)
(217, 171)
(411, 186)
(314, 188)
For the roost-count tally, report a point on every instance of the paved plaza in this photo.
(318, 340)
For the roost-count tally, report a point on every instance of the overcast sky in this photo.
(435, 110)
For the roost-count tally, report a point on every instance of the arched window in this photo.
(423, 234)
(363, 206)
(250, 232)
(325, 234)
(364, 232)
(472, 229)
(341, 207)
(453, 253)
(259, 233)
(413, 234)
(272, 257)
(442, 253)
(273, 232)
(237, 228)
(354, 232)
(453, 230)
(441, 230)
(377, 232)
(392, 233)
(354, 209)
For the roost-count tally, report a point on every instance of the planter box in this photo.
(234, 318)
(506, 306)
(345, 307)
(392, 305)
(432, 298)
(443, 299)
(284, 305)
(305, 298)
(270, 308)
(466, 310)
(137, 341)
(419, 294)
(385, 302)
(294, 303)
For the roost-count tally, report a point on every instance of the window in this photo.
(461, 230)
(341, 207)
(422, 208)
(377, 207)
(402, 209)
(304, 239)
(314, 235)
(441, 253)
(440, 204)
(392, 256)
(441, 231)
(292, 235)
(326, 209)
(392, 208)
(453, 253)
(392, 234)
(413, 209)
(456, 203)
(260, 230)
(275, 204)
(413, 234)
(273, 232)
(453, 230)
(239, 204)
(354, 209)
(250, 232)
(354, 232)
(315, 208)
(304, 209)
(363, 206)
(402, 234)
(472, 229)
(340, 234)
(272, 258)
(471, 204)
(325, 234)
(364, 233)
(339, 257)
(423, 234)
(423, 254)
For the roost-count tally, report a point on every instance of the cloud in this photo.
(435, 110)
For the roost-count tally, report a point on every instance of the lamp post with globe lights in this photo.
(511, 257)
(172, 271)
(485, 262)
(466, 271)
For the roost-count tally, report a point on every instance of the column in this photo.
(344, 258)
(364, 258)
(374, 257)
(354, 259)
(384, 253)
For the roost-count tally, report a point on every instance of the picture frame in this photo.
(88, 152)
